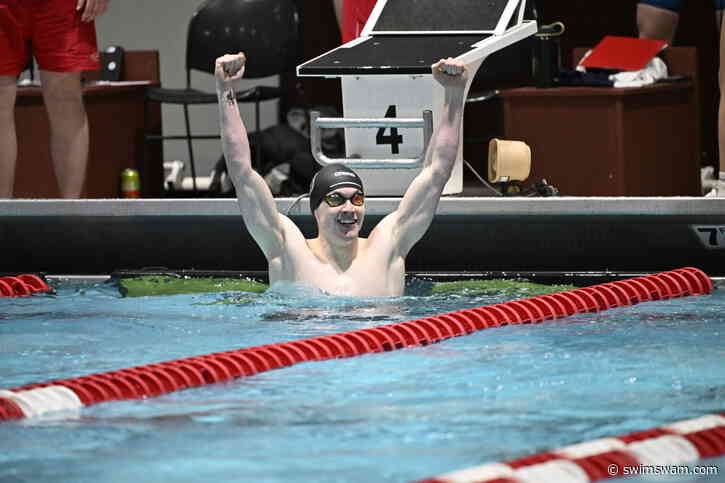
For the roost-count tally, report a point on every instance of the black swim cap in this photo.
(330, 178)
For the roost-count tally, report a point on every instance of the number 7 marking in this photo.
(712, 240)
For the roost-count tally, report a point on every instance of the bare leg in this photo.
(656, 23)
(8, 141)
(68, 129)
(721, 116)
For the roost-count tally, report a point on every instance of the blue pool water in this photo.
(393, 417)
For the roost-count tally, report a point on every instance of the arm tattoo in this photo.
(231, 98)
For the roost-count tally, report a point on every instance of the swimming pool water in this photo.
(493, 395)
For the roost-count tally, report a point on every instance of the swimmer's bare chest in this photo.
(374, 272)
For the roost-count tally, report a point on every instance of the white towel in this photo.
(654, 70)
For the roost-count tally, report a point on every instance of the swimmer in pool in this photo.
(339, 261)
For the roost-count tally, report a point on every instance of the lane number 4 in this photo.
(394, 139)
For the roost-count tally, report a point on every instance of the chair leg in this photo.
(190, 147)
(146, 155)
(145, 142)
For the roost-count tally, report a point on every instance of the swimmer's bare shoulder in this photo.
(295, 250)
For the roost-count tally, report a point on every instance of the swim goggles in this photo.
(336, 199)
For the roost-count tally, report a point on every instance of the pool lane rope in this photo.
(660, 451)
(160, 378)
(22, 286)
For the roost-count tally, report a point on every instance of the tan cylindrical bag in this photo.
(508, 160)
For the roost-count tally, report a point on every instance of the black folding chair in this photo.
(266, 30)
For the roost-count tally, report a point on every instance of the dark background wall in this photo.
(586, 23)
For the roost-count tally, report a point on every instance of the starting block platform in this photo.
(390, 101)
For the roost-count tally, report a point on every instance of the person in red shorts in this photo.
(658, 19)
(61, 35)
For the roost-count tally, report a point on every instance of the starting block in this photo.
(390, 100)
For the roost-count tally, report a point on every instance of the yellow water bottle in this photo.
(130, 184)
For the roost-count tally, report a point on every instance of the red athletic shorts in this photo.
(52, 29)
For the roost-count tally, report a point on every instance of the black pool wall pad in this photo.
(434, 15)
(391, 54)
(622, 235)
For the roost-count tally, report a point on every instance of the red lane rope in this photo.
(660, 451)
(22, 285)
(164, 377)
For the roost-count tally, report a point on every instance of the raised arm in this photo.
(415, 213)
(254, 197)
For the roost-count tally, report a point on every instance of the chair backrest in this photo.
(265, 30)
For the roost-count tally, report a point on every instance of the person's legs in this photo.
(657, 20)
(8, 141)
(721, 113)
(13, 58)
(68, 129)
(64, 46)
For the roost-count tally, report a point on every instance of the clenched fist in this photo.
(230, 68)
(450, 72)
